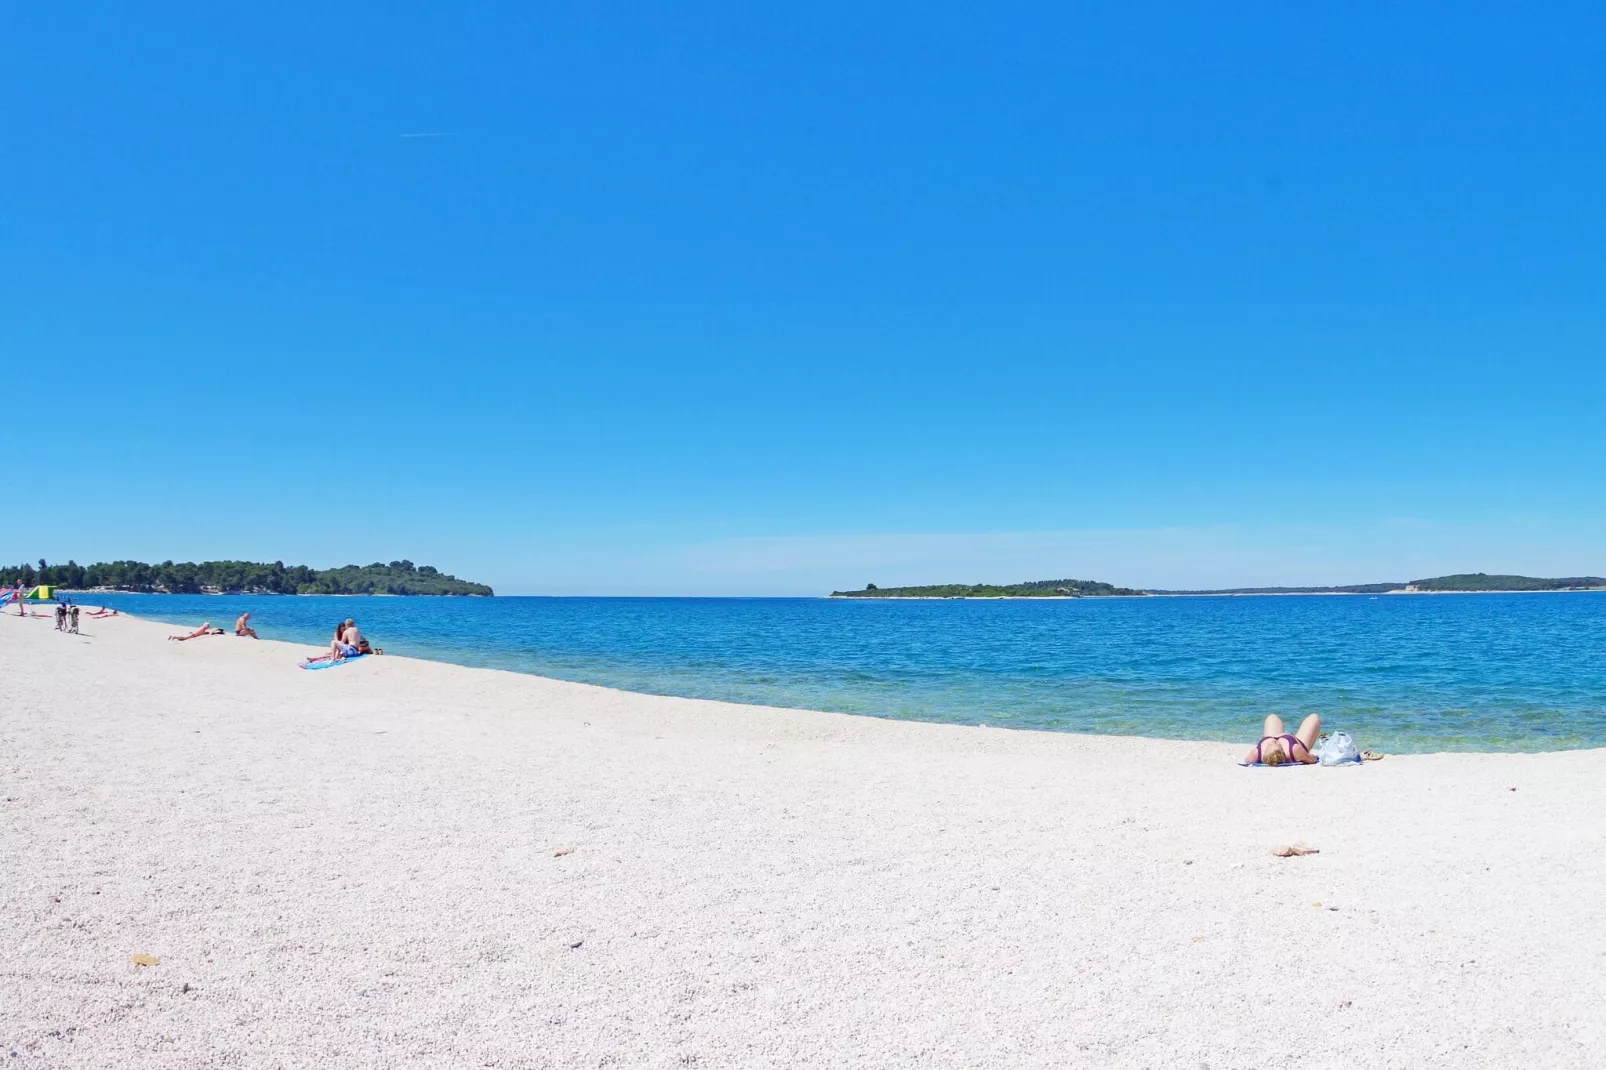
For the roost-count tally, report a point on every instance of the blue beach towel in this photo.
(331, 664)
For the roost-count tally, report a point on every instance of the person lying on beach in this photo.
(243, 626)
(205, 629)
(1277, 747)
(101, 612)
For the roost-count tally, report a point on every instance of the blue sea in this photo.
(1401, 673)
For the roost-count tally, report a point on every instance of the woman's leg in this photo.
(1272, 727)
(1309, 729)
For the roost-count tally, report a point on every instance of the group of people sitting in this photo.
(349, 642)
(242, 626)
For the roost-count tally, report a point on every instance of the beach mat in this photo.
(330, 663)
(1296, 765)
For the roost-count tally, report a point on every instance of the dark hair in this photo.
(340, 629)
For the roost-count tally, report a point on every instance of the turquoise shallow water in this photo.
(1444, 672)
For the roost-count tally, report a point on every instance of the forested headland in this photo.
(243, 577)
(1477, 581)
(1467, 582)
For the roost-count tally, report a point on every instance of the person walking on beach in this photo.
(61, 616)
(73, 614)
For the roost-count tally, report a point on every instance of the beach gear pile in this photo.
(1338, 749)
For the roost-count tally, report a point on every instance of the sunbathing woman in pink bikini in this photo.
(1276, 746)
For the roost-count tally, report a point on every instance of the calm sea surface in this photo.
(1444, 672)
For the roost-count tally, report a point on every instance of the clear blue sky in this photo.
(703, 298)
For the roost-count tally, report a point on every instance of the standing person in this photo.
(61, 616)
(74, 612)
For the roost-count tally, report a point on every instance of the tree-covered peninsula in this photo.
(1466, 582)
(243, 577)
(1477, 581)
(1463, 582)
(1035, 589)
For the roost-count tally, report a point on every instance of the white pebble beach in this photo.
(400, 862)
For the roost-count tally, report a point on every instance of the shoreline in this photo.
(1293, 712)
(1179, 594)
(411, 862)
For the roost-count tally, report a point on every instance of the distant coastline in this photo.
(1460, 583)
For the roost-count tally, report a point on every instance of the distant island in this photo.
(1035, 589)
(1463, 582)
(243, 577)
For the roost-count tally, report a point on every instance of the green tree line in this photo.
(1478, 581)
(247, 577)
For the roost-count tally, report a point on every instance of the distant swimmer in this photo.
(205, 629)
(243, 626)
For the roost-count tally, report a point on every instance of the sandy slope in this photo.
(358, 868)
